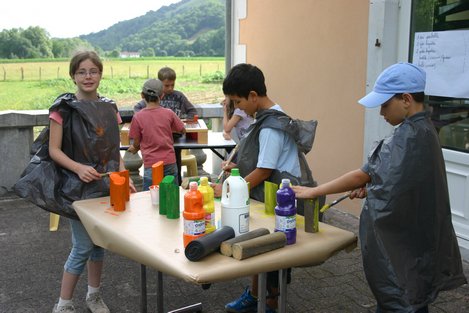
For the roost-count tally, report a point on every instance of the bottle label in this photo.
(244, 223)
(194, 227)
(285, 223)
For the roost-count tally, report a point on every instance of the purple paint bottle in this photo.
(285, 211)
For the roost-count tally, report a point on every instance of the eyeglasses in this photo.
(92, 73)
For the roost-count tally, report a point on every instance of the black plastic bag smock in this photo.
(408, 244)
(91, 137)
(302, 132)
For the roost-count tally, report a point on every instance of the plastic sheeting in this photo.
(90, 136)
(409, 247)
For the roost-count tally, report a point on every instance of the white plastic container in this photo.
(235, 203)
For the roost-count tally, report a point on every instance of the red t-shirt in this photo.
(154, 127)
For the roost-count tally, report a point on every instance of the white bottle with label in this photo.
(235, 203)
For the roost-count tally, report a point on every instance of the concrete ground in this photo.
(32, 258)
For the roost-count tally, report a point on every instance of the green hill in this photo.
(189, 27)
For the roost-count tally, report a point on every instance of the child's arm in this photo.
(258, 176)
(85, 172)
(228, 123)
(349, 181)
(135, 146)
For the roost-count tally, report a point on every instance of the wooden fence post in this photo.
(58, 72)
(40, 73)
(148, 71)
(22, 73)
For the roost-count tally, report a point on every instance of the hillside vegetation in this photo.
(187, 28)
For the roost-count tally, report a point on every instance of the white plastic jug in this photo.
(235, 203)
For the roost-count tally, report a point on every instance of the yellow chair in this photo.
(53, 221)
(189, 161)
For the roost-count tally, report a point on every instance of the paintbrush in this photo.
(233, 152)
(105, 174)
(328, 206)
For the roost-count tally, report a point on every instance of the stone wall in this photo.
(17, 136)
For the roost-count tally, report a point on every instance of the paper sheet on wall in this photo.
(445, 58)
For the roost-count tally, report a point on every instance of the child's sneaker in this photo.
(96, 304)
(64, 309)
(245, 303)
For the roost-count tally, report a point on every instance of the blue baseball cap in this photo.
(398, 78)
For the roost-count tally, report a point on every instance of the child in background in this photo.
(171, 99)
(85, 70)
(234, 118)
(152, 132)
(409, 248)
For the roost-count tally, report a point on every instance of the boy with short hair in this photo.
(152, 131)
(409, 248)
(266, 153)
(172, 99)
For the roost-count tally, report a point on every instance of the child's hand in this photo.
(302, 192)
(132, 186)
(87, 173)
(358, 193)
(227, 167)
(132, 149)
(216, 190)
(226, 135)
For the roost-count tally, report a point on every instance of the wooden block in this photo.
(226, 246)
(197, 129)
(124, 134)
(246, 249)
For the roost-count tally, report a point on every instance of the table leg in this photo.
(179, 164)
(282, 300)
(143, 288)
(261, 292)
(159, 293)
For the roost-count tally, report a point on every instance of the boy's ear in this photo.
(407, 97)
(253, 95)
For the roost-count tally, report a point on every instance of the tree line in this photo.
(35, 42)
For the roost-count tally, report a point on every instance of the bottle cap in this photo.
(285, 182)
(235, 172)
(193, 185)
(204, 180)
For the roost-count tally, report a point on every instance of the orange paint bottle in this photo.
(194, 214)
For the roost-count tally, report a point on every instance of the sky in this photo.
(67, 19)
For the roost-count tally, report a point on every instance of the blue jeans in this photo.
(168, 169)
(83, 249)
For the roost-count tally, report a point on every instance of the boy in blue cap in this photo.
(409, 248)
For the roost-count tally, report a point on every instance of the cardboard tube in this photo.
(157, 172)
(226, 247)
(203, 246)
(117, 191)
(246, 249)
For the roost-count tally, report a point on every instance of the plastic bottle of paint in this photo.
(209, 204)
(285, 211)
(194, 214)
(235, 203)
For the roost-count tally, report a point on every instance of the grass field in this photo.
(35, 85)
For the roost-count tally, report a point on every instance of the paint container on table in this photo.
(209, 204)
(285, 211)
(235, 203)
(270, 197)
(194, 214)
(169, 197)
(155, 194)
